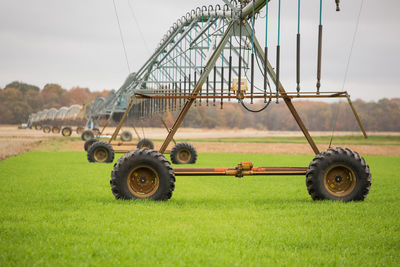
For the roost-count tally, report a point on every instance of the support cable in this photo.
(122, 38)
(138, 27)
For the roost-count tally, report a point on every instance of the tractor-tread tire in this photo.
(149, 144)
(46, 129)
(126, 136)
(175, 150)
(343, 156)
(86, 135)
(92, 149)
(89, 143)
(149, 157)
(66, 128)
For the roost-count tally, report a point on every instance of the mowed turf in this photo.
(57, 209)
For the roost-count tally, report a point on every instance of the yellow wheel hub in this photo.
(340, 180)
(184, 155)
(100, 154)
(143, 181)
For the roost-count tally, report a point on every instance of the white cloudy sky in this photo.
(77, 43)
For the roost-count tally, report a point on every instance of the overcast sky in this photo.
(77, 43)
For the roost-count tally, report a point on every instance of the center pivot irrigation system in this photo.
(210, 55)
(117, 107)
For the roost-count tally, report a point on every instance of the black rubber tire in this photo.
(326, 160)
(105, 147)
(126, 136)
(183, 146)
(55, 130)
(142, 158)
(66, 131)
(145, 143)
(86, 135)
(46, 129)
(89, 143)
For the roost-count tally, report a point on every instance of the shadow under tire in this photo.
(86, 135)
(100, 152)
(66, 131)
(183, 153)
(126, 136)
(89, 143)
(145, 143)
(338, 174)
(143, 174)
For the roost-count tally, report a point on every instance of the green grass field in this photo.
(57, 209)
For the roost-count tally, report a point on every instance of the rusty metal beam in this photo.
(120, 143)
(128, 108)
(356, 115)
(256, 95)
(136, 132)
(166, 127)
(236, 172)
(105, 126)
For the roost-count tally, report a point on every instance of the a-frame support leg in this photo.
(211, 62)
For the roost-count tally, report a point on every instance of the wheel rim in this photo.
(143, 181)
(100, 154)
(56, 130)
(79, 130)
(46, 129)
(340, 180)
(184, 155)
(145, 145)
(87, 136)
(67, 132)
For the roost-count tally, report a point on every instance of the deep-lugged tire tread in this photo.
(177, 147)
(325, 155)
(145, 140)
(89, 143)
(147, 152)
(90, 152)
(87, 132)
(70, 129)
(126, 136)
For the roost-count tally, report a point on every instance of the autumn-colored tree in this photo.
(18, 100)
(23, 87)
(80, 95)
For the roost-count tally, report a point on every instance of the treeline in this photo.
(18, 100)
(383, 115)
